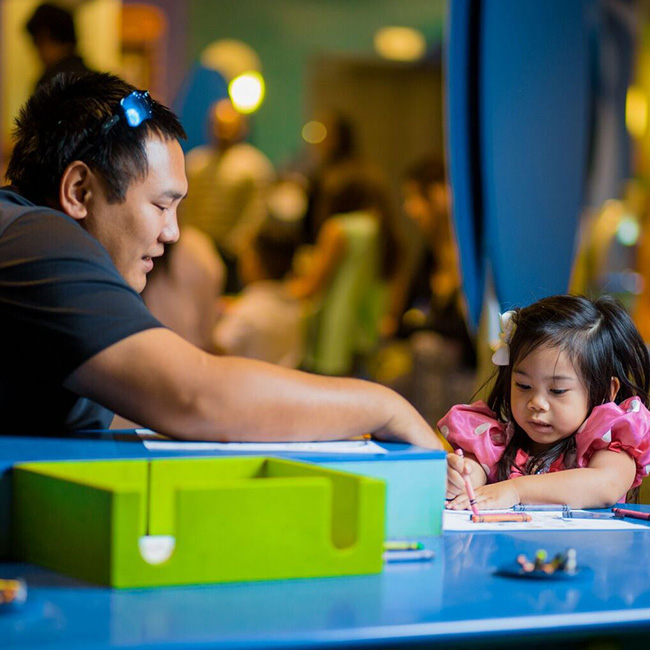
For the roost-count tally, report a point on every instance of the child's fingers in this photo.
(456, 462)
(459, 503)
(455, 484)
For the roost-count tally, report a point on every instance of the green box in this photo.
(197, 520)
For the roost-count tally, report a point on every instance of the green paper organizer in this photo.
(215, 520)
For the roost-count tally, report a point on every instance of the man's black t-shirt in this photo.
(61, 302)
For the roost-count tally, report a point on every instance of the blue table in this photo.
(455, 600)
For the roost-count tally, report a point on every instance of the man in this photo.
(53, 33)
(77, 342)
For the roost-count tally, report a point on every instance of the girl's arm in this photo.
(329, 249)
(602, 483)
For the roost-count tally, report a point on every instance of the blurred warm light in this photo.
(247, 91)
(628, 231)
(230, 58)
(400, 43)
(314, 132)
(636, 111)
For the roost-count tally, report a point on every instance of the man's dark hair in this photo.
(62, 122)
(54, 21)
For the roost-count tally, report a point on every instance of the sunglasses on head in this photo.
(135, 108)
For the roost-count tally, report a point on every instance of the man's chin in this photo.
(137, 283)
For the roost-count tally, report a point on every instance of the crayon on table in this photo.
(545, 507)
(409, 556)
(500, 516)
(399, 545)
(590, 515)
(633, 514)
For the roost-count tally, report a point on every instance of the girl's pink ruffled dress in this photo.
(617, 427)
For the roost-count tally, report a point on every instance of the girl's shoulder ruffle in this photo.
(617, 427)
(475, 429)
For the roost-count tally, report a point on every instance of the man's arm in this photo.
(160, 380)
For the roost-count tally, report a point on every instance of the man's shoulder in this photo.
(14, 206)
(40, 232)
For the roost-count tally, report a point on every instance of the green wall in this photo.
(287, 34)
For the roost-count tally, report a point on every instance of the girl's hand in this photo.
(455, 479)
(489, 497)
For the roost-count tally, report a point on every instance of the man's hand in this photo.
(407, 425)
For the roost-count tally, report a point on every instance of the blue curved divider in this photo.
(518, 101)
(462, 149)
(534, 142)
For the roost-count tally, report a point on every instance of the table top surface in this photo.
(126, 444)
(455, 598)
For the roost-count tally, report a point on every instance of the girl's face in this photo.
(549, 400)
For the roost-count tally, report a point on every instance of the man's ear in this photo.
(75, 189)
(614, 388)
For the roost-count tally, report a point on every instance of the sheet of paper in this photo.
(459, 521)
(155, 442)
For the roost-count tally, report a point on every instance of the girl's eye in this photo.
(558, 391)
(522, 386)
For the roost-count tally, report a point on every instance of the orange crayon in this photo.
(500, 516)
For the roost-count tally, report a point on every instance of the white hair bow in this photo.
(501, 356)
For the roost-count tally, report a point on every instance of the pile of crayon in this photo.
(566, 562)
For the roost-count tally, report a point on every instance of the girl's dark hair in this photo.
(353, 186)
(601, 342)
(63, 117)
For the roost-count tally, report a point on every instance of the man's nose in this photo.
(170, 232)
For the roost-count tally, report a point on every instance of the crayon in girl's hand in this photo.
(468, 485)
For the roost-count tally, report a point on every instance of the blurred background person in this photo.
(264, 321)
(434, 299)
(353, 263)
(228, 180)
(336, 144)
(184, 287)
(443, 354)
(53, 33)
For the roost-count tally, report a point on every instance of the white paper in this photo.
(459, 521)
(155, 442)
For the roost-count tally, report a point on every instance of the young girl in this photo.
(566, 421)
